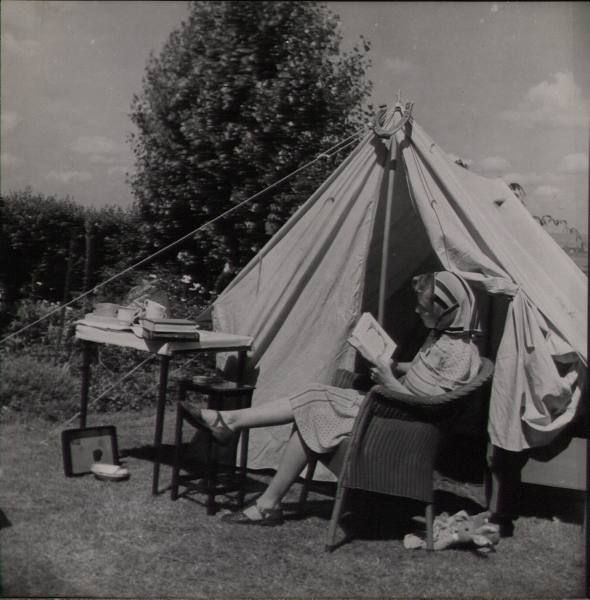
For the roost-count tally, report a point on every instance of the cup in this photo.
(154, 310)
(127, 313)
(106, 309)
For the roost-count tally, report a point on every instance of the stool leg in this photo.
(210, 477)
(211, 465)
(177, 446)
(246, 402)
(244, 437)
(429, 527)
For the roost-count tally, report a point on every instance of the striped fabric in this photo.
(455, 303)
(406, 452)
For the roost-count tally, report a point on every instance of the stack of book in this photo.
(169, 329)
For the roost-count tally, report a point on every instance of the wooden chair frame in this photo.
(429, 409)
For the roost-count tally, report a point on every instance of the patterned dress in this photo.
(325, 414)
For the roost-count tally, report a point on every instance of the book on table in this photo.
(168, 325)
(192, 336)
(169, 329)
(370, 339)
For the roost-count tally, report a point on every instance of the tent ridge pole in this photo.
(386, 232)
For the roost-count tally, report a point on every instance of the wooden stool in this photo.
(218, 393)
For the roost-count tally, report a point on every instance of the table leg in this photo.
(86, 350)
(177, 450)
(164, 364)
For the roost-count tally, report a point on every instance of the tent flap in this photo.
(531, 401)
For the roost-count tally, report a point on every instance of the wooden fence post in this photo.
(66, 296)
(88, 259)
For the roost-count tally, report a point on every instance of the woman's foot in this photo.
(256, 515)
(211, 420)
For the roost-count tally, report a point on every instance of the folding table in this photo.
(209, 341)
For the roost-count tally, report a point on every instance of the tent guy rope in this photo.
(334, 149)
(104, 392)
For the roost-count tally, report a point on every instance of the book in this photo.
(370, 339)
(192, 336)
(168, 325)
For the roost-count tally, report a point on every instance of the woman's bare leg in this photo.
(292, 461)
(262, 415)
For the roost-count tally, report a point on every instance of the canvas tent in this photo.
(395, 207)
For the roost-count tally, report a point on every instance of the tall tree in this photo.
(241, 94)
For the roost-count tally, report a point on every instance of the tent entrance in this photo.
(300, 297)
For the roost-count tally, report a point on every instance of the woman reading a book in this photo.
(324, 415)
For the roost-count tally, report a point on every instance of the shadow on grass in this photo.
(148, 452)
(4, 521)
(369, 514)
(552, 503)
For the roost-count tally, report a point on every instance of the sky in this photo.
(504, 86)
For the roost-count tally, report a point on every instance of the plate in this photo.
(108, 472)
(102, 322)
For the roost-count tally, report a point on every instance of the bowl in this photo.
(108, 472)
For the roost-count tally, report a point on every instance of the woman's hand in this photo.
(382, 372)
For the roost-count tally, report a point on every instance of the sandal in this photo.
(219, 429)
(265, 517)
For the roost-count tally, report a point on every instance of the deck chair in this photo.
(393, 446)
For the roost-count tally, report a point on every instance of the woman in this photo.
(324, 415)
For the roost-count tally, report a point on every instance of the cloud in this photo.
(23, 17)
(95, 145)
(455, 157)
(574, 163)
(20, 15)
(494, 8)
(9, 120)
(556, 102)
(493, 163)
(62, 5)
(103, 159)
(398, 66)
(522, 178)
(117, 171)
(9, 160)
(533, 178)
(27, 48)
(547, 191)
(69, 176)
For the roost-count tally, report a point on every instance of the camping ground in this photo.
(84, 537)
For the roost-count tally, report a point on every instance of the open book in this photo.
(370, 339)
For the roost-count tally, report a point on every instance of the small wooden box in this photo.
(83, 447)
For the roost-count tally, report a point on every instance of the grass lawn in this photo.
(84, 537)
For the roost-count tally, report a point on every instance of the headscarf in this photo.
(450, 355)
(453, 302)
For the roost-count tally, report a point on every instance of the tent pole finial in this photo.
(379, 119)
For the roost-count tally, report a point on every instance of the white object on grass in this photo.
(108, 471)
